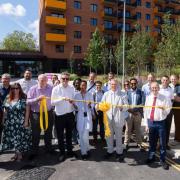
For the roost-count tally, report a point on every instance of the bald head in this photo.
(114, 84)
(42, 80)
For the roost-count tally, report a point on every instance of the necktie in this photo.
(153, 109)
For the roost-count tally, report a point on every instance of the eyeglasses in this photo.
(133, 83)
(126, 84)
(67, 79)
(14, 88)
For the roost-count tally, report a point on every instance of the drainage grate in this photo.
(37, 173)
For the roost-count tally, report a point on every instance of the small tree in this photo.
(19, 41)
(168, 49)
(140, 50)
(71, 61)
(104, 60)
(93, 56)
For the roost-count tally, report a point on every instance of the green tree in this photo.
(167, 55)
(93, 57)
(71, 61)
(104, 60)
(140, 50)
(19, 41)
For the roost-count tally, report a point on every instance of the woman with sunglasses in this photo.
(15, 135)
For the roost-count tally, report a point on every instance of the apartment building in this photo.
(66, 26)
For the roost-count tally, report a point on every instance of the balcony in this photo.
(155, 10)
(109, 15)
(109, 2)
(128, 17)
(155, 22)
(56, 37)
(55, 21)
(55, 4)
(129, 4)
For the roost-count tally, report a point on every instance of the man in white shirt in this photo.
(27, 82)
(115, 119)
(61, 98)
(168, 92)
(91, 86)
(156, 124)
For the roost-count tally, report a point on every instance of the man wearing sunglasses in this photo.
(61, 98)
(135, 97)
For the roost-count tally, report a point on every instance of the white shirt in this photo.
(26, 84)
(159, 114)
(168, 92)
(61, 106)
(146, 89)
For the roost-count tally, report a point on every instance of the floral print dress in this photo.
(15, 136)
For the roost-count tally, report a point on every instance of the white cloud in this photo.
(34, 28)
(11, 10)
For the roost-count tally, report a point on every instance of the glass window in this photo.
(58, 31)
(59, 48)
(128, 14)
(77, 49)
(148, 16)
(77, 34)
(108, 24)
(57, 15)
(108, 10)
(138, 2)
(148, 5)
(138, 15)
(77, 19)
(93, 22)
(127, 27)
(94, 7)
(77, 4)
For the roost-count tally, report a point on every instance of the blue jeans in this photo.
(157, 129)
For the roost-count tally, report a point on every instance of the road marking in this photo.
(168, 160)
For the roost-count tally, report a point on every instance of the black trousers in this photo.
(1, 124)
(36, 131)
(168, 121)
(64, 122)
(98, 120)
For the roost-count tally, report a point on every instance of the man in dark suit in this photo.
(135, 97)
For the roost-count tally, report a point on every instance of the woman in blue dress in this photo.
(15, 135)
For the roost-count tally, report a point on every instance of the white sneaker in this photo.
(55, 141)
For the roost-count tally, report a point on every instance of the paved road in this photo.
(95, 168)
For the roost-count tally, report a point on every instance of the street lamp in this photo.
(124, 29)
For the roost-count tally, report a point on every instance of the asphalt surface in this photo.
(95, 168)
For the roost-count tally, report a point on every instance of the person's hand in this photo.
(26, 124)
(41, 97)
(161, 107)
(147, 129)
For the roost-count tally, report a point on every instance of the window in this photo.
(138, 2)
(93, 21)
(108, 24)
(60, 48)
(58, 31)
(147, 28)
(77, 34)
(127, 27)
(148, 16)
(159, 19)
(128, 14)
(138, 15)
(77, 19)
(108, 10)
(77, 49)
(77, 4)
(94, 7)
(148, 5)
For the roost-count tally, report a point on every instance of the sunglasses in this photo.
(14, 88)
(133, 83)
(67, 79)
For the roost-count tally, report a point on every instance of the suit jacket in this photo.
(115, 113)
(140, 99)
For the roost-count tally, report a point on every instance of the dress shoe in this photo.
(61, 158)
(168, 147)
(120, 157)
(164, 165)
(84, 157)
(150, 161)
(126, 148)
(71, 154)
(108, 155)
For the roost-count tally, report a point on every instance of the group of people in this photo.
(74, 110)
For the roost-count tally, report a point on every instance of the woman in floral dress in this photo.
(16, 136)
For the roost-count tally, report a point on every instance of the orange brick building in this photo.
(66, 26)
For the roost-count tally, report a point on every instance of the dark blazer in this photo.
(140, 99)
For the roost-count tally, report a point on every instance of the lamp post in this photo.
(124, 29)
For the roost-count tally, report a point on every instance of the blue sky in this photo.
(18, 15)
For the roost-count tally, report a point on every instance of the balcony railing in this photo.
(55, 21)
(55, 4)
(56, 37)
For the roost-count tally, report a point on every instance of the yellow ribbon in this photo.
(43, 108)
(104, 107)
